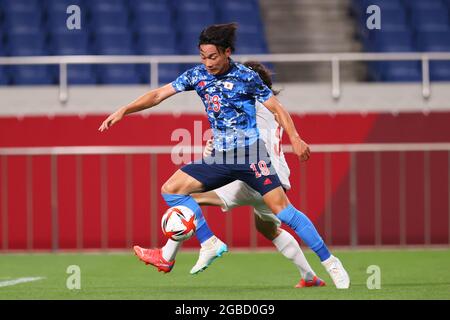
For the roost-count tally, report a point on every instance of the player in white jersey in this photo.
(238, 193)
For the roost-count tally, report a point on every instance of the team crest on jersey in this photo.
(201, 84)
(228, 85)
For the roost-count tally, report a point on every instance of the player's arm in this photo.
(300, 147)
(148, 100)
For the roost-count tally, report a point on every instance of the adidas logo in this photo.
(267, 181)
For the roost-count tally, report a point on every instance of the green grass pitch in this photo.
(405, 274)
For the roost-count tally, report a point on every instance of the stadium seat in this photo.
(238, 5)
(32, 75)
(250, 43)
(440, 70)
(26, 45)
(430, 20)
(23, 22)
(394, 19)
(81, 74)
(166, 73)
(400, 71)
(193, 22)
(433, 41)
(107, 6)
(150, 5)
(428, 4)
(390, 41)
(110, 21)
(247, 23)
(188, 43)
(70, 43)
(150, 43)
(118, 74)
(114, 43)
(4, 76)
(153, 21)
(61, 5)
(10, 6)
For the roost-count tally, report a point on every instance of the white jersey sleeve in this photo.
(271, 133)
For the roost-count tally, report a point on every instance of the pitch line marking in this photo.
(19, 280)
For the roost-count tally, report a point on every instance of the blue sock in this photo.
(304, 228)
(203, 232)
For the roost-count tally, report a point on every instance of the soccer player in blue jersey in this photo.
(229, 91)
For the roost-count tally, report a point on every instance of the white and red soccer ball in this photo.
(179, 223)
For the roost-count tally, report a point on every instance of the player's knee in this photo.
(168, 188)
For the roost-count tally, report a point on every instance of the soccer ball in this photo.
(179, 223)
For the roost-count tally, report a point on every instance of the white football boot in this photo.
(337, 272)
(211, 249)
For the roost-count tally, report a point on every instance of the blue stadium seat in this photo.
(433, 41)
(390, 41)
(70, 43)
(62, 5)
(194, 15)
(29, 45)
(250, 43)
(150, 5)
(188, 43)
(4, 76)
(440, 70)
(32, 75)
(394, 19)
(430, 20)
(20, 5)
(153, 21)
(427, 4)
(150, 43)
(107, 5)
(166, 73)
(81, 74)
(23, 22)
(239, 5)
(401, 71)
(118, 74)
(194, 5)
(193, 22)
(110, 21)
(26, 45)
(114, 43)
(247, 23)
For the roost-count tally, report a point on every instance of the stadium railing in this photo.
(334, 59)
(154, 151)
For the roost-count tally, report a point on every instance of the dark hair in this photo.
(223, 36)
(264, 73)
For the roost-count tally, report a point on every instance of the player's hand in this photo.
(208, 148)
(301, 149)
(112, 119)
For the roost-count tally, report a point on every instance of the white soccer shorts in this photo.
(238, 193)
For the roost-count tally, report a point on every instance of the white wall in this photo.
(298, 98)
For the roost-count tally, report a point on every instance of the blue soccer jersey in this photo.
(229, 101)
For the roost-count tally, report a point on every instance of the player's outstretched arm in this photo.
(300, 147)
(148, 100)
